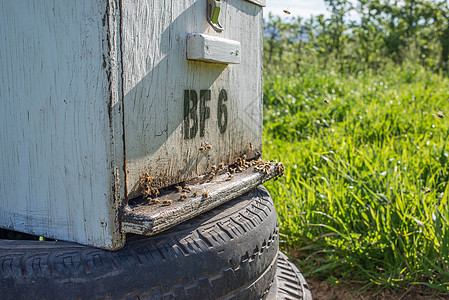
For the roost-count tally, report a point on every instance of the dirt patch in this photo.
(321, 290)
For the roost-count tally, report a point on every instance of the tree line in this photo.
(361, 34)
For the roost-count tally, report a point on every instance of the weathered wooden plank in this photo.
(97, 93)
(172, 106)
(55, 123)
(116, 156)
(212, 49)
(149, 218)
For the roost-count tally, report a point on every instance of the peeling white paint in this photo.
(91, 89)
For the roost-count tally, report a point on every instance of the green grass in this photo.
(365, 195)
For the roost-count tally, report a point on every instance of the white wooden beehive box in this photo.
(96, 95)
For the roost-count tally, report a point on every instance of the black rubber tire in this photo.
(289, 284)
(229, 252)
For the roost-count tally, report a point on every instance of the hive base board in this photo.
(173, 207)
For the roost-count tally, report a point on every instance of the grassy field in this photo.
(365, 195)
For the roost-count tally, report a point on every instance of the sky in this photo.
(303, 8)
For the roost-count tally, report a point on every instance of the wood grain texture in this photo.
(148, 219)
(94, 95)
(156, 75)
(56, 82)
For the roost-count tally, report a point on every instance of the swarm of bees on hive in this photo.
(184, 190)
(146, 187)
(265, 167)
(240, 164)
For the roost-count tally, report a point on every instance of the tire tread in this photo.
(30, 263)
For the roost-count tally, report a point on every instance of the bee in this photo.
(439, 114)
(266, 170)
(232, 170)
(427, 191)
(280, 168)
(210, 177)
(146, 192)
(213, 168)
(327, 102)
(250, 145)
(179, 188)
(230, 176)
(186, 188)
(205, 195)
(287, 12)
(167, 202)
(195, 194)
(153, 200)
(205, 147)
(183, 197)
(145, 178)
(155, 191)
(220, 166)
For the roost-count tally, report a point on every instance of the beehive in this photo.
(95, 94)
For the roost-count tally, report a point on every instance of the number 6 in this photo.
(222, 111)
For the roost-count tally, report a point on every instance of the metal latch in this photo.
(213, 11)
